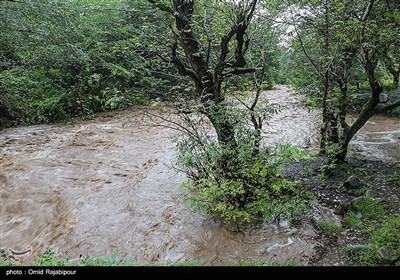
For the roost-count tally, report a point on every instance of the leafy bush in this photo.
(236, 185)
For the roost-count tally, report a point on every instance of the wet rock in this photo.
(352, 183)
(343, 208)
(371, 193)
(380, 106)
(358, 215)
(356, 249)
(394, 197)
(174, 258)
(357, 202)
(383, 97)
(379, 200)
(387, 255)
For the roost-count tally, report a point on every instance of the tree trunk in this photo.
(367, 112)
(208, 80)
(325, 110)
(396, 78)
(325, 116)
(217, 114)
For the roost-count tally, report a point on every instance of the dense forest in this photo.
(212, 62)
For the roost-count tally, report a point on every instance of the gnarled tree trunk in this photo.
(195, 63)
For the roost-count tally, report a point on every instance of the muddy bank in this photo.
(108, 185)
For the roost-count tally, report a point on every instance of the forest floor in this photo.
(376, 178)
(110, 186)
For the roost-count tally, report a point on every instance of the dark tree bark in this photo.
(335, 130)
(373, 106)
(208, 80)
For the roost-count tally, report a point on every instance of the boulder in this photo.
(383, 97)
(355, 249)
(387, 256)
(343, 208)
(357, 202)
(352, 182)
(371, 193)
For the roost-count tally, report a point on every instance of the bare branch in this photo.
(306, 53)
(183, 70)
(177, 126)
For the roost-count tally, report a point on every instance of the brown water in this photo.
(107, 185)
(379, 139)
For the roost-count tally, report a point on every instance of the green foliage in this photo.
(114, 260)
(366, 212)
(237, 185)
(328, 227)
(65, 59)
(332, 169)
(243, 262)
(395, 112)
(387, 236)
(371, 210)
(394, 180)
(188, 263)
(31, 97)
(49, 259)
(352, 219)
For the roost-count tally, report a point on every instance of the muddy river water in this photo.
(108, 185)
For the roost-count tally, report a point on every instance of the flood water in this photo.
(108, 185)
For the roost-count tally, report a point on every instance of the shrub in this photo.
(327, 227)
(235, 184)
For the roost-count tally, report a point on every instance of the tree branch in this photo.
(306, 53)
(240, 71)
(380, 108)
(224, 51)
(183, 70)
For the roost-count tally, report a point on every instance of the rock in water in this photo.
(352, 182)
(383, 97)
